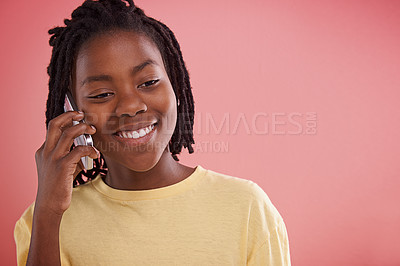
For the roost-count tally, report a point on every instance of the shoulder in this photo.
(22, 234)
(265, 225)
(247, 190)
(237, 184)
(27, 215)
(229, 182)
(23, 226)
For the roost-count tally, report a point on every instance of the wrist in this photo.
(41, 210)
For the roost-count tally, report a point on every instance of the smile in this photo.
(136, 133)
(137, 137)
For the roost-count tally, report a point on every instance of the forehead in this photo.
(115, 51)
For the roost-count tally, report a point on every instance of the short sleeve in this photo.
(22, 235)
(274, 251)
(267, 237)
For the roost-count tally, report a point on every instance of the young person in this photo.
(139, 205)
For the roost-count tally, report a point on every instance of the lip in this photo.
(135, 127)
(139, 141)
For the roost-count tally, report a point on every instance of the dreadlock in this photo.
(94, 18)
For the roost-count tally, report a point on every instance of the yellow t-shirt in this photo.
(207, 219)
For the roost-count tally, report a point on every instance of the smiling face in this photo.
(120, 83)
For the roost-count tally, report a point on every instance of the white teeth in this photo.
(142, 132)
(134, 134)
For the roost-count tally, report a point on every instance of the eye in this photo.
(100, 96)
(149, 83)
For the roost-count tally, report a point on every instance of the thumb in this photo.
(79, 168)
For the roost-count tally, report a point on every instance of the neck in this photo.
(165, 172)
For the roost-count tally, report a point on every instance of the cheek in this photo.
(172, 119)
(96, 118)
(100, 119)
(168, 109)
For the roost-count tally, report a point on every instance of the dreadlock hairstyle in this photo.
(94, 18)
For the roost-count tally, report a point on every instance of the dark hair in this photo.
(94, 18)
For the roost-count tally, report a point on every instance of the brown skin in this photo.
(56, 167)
(128, 98)
(53, 158)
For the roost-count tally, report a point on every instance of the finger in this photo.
(38, 156)
(67, 137)
(57, 125)
(78, 152)
(39, 152)
(79, 168)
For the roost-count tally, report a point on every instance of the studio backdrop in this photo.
(302, 97)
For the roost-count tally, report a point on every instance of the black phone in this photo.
(85, 139)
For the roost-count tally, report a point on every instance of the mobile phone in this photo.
(85, 139)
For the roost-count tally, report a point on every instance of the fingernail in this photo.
(93, 127)
(80, 112)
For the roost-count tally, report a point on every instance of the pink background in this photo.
(267, 62)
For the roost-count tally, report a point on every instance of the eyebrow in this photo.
(135, 70)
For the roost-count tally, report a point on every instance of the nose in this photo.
(129, 104)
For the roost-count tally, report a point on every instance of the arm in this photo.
(268, 238)
(274, 250)
(44, 246)
(56, 166)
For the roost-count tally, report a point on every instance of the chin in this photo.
(142, 167)
(138, 158)
(134, 162)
